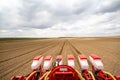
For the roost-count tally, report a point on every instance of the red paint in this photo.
(82, 56)
(48, 57)
(70, 57)
(59, 57)
(68, 73)
(95, 57)
(37, 57)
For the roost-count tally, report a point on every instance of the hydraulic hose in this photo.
(109, 74)
(44, 75)
(79, 75)
(91, 75)
(33, 73)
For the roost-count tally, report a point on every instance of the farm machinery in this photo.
(44, 69)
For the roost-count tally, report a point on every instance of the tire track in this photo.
(26, 62)
(97, 50)
(14, 48)
(59, 50)
(2, 66)
(24, 44)
(78, 52)
(24, 48)
(66, 51)
(75, 53)
(62, 48)
(19, 55)
(75, 48)
(9, 66)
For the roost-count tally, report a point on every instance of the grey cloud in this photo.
(28, 10)
(65, 10)
(58, 14)
(113, 27)
(28, 13)
(113, 7)
(42, 26)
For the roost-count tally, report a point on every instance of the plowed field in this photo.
(16, 56)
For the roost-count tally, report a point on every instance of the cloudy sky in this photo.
(57, 18)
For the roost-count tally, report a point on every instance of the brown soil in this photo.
(16, 56)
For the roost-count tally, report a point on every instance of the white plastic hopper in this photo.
(96, 61)
(71, 61)
(36, 62)
(47, 63)
(83, 62)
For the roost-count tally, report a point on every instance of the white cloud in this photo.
(3, 31)
(56, 18)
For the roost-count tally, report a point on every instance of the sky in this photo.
(59, 18)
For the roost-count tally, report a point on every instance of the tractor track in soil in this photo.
(9, 66)
(76, 53)
(88, 47)
(61, 48)
(26, 62)
(64, 52)
(15, 48)
(19, 46)
(23, 53)
(48, 51)
(58, 52)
